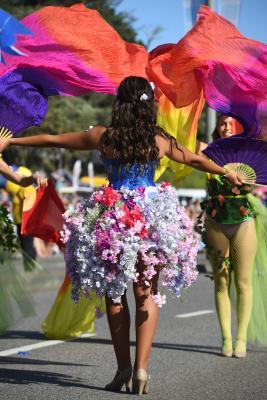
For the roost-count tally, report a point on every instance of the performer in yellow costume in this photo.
(18, 195)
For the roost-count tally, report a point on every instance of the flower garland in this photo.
(107, 235)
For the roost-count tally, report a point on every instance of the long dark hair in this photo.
(133, 128)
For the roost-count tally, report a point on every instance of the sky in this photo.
(169, 14)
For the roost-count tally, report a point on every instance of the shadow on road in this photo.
(193, 348)
(33, 335)
(26, 377)
(166, 346)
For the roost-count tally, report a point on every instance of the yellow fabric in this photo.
(66, 319)
(18, 194)
(181, 123)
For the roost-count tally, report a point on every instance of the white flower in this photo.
(152, 84)
(144, 97)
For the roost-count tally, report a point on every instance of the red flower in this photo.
(235, 190)
(98, 197)
(109, 197)
(131, 216)
(143, 233)
(220, 198)
(243, 210)
(165, 184)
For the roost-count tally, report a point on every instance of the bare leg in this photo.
(243, 250)
(119, 325)
(220, 247)
(146, 320)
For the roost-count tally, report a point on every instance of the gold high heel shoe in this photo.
(140, 382)
(227, 347)
(122, 377)
(240, 348)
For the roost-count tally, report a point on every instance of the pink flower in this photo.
(167, 273)
(98, 197)
(165, 184)
(243, 210)
(235, 190)
(173, 259)
(159, 299)
(110, 277)
(149, 272)
(142, 190)
(162, 259)
(220, 198)
(155, 236)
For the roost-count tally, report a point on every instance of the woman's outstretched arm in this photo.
(180, 154)
(24, 181)
(86, 140)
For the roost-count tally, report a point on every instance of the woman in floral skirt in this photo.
(132, 229)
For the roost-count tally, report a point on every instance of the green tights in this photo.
(240, 246)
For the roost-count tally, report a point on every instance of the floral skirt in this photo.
(111, 232)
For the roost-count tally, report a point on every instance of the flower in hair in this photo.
(152, 84)
(144, 97)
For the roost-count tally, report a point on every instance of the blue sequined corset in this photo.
(130, 175)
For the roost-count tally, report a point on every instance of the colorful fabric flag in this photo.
(182, 124)
(214, 57)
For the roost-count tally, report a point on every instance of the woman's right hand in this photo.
(235, 178)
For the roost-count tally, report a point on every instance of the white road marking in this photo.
(194, 314)
(39, 345)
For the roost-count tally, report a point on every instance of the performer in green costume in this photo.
(235, 234)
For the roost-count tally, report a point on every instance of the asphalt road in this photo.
(185, 362)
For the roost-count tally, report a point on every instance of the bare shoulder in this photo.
(95, 135)
(97, 130)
